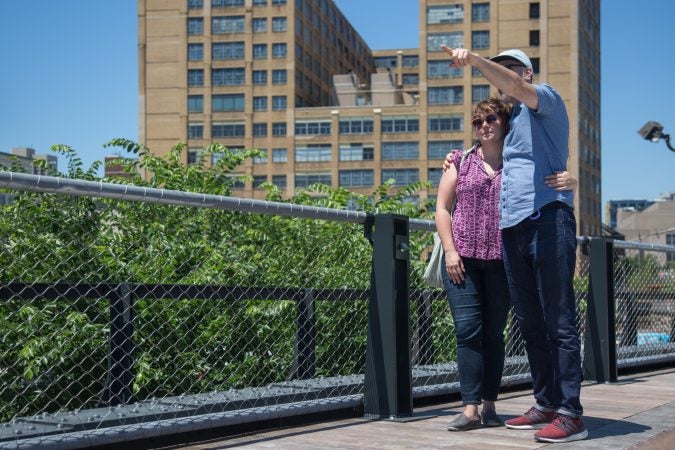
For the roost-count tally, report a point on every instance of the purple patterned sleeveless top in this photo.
(475, 222)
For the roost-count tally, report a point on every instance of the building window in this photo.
(279, 181)
(440, 68)
(259, 2)
(226, 3)
(453, 40)
(445, 14)
(304, 180)
(411, 61)
(411, 79)
(401, 177)
(279, 50)
(451, 122)
(227, 102)
(357, 178)
(278, 103)
(446, 95)
(479, 92)
(259, 24)
(534, 38)
(434, 175)
(258, 180)
(438, 149)
(221, 51)
(195, 4)
(195, 52)
(259, 103)
(195, 77)
(480, 12)
(227, 129)
(279, 129)
(279, 155)
(480, 39)
(535, 64)
(227, 77)
(385, 61)
(476, 73)
(356, 152)
(278, 2)
(193, 155)
(400, 124)
(195, 130)
(303, 128)
(195, 26)
(262, 158)
(260, 77)
(356, 125)
(279, 24)
(314, 153)
(392, 151)
(259, 51)
(227, 24)
(534, 10)
(260, 129)
(279, 76)
(195, 103)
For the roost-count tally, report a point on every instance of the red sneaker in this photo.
(562, 429)
(533, 419)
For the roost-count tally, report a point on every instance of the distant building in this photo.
(113, 169)
(25, 157)
(613, 206)
(654, 224)
(296, 79)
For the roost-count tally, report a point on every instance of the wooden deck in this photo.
(637, 412)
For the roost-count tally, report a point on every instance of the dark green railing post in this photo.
(120, 377)
(600, 335)
(304, 365)
(388, 377)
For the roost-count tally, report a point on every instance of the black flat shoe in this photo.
(463, 423)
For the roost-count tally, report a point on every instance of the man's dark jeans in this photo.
(479, 307)
(540, 257)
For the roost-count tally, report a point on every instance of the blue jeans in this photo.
(479, 307)
(540, 257)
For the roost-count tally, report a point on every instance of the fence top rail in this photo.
(632, 245)
(83, 188)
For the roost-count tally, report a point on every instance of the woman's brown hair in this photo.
(497, 106)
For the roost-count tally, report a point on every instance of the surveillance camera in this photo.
(651, 131)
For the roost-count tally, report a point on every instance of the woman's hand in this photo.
(454, 266)
(561, 181)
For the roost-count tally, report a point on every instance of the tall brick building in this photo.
(293, 77)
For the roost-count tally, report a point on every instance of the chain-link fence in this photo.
(132, 312)
(644, 287)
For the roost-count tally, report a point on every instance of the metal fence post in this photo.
(121, 352)
(388, 377)
(304, 364)
(600, 336)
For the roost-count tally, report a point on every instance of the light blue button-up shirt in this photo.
(536, 146)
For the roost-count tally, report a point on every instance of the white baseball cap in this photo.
(514, 54)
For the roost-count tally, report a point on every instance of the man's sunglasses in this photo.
(477, 122)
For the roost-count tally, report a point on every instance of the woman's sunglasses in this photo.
(477, 122)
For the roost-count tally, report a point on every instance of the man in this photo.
(539, 241)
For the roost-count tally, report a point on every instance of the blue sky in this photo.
(70, 76)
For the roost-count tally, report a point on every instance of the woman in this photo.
(474, 279)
